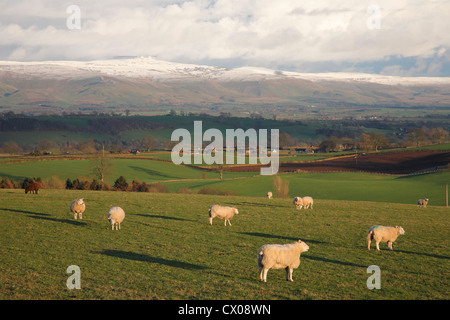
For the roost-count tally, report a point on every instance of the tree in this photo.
(365, 142)
(121, 184)
(148, 142)
(378, 140)
(281, 188)
(329, 144)
(416, 136)
(439, 135)
(101, 166)
(69, 184)
(285, 140)
(12, 148)
(45, 145)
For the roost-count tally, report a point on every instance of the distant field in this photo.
(333, 186)
(339, 186)
(167, 250)
(145, 170)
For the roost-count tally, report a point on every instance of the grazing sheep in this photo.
(277, 256)
(226, 213)
(383, 234)
(269, 195)
(115, 217)
(77, 207)
(307, 201)
(32, 187)
(422, 202)
(298, 202)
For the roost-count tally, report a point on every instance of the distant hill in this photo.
(147, 83)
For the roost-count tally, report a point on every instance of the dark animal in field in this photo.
(33, 187)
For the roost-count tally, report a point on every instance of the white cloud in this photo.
(255, 32)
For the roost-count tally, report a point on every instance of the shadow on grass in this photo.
(153, 173)
(146, 258)
(265, 235)
(424, 254)
(351, 264)
(44, 216)
(73, 222)
(24, 211)
(161, 217)
(256, 204)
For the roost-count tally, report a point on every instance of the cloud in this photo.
(267, 33)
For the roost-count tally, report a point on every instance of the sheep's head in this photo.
(400, 230)
(303, 246)
(236, 211)
(80, 201)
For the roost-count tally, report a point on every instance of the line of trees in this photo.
(376, 141)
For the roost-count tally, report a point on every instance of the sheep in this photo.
(298, 202)
(307, 201)
(33, 187)
(422, 202)
(226, 213)
(269, 195)
(383, 234)
(277, 256)
(116, 215)
(77, 207)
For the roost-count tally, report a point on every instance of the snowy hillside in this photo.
(157, 70)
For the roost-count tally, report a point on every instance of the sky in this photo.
(401, 37)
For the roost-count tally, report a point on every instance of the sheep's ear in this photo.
(299, 241)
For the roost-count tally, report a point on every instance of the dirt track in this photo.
(390, 163)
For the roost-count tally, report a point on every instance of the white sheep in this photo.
(277, 256)
(422, 202)
(383, 234)
(307, 202)
(269, 195)
(77, 207)
(116, 215)
(226, 213)
(298, 202)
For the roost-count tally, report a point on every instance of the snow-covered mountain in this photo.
(158, 70)
(147, 82)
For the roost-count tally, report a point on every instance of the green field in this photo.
(330, 186)
(167, 250)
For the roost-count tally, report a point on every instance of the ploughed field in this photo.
(166, 248)
(389, 162)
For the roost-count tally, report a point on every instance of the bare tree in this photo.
(280, 187)
(148, 142)
(101, 166)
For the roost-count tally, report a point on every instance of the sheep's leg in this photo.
(289, 274)
(390, 245)
(75, 216)
(378, 245)
(119, 225)
(261, 274)
(265, 274)
(210, 221)
(229, 222)
(368, 243)
(80, 215)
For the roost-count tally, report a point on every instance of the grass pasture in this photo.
(167, 250)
